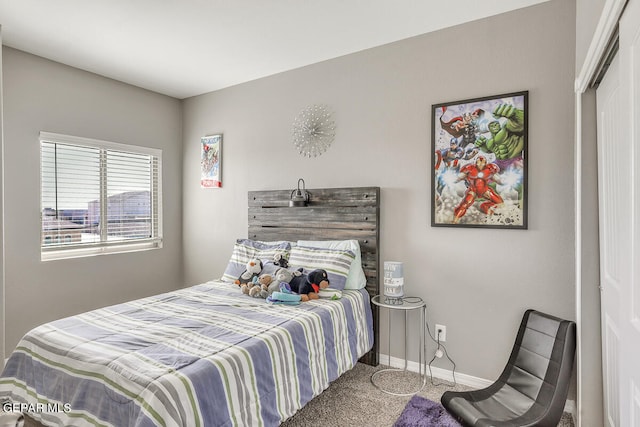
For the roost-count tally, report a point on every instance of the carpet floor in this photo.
(352, 400)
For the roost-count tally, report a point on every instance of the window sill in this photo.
(58, 254)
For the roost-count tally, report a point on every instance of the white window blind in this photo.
(98, 197)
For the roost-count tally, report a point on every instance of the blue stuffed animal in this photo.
(284, 296)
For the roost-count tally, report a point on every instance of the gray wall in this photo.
(590, 342)
(476, 282)
(40, 95)
(2, 322)
(587, 17)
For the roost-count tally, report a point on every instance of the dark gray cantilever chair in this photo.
(532, 389)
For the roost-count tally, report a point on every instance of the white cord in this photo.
(437, 341)
(440, 346)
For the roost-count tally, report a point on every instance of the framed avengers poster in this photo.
(479, 161)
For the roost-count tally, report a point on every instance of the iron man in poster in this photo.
(477, 177)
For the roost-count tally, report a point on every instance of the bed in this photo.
(208, 355)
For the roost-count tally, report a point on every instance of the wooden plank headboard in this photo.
(332, 214)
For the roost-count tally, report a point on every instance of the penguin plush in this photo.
(254, 267)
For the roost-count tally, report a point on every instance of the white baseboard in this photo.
(570, 407)
(440, 373)
(460, 378)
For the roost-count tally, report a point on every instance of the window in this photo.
(98, 197)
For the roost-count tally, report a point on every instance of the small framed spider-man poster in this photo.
(211, 161)
(479, 158)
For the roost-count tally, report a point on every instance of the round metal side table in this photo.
(405, 304)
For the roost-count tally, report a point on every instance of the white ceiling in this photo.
(184, 48)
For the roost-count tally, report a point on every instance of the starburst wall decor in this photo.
(313, 130)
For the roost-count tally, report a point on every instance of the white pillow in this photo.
(356, 278)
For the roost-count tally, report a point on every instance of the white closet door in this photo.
(618, 104)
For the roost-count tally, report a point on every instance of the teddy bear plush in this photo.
(253, 269)
(281, 275)
(258, 287)
(308, 285)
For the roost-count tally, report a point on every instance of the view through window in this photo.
(98, 194)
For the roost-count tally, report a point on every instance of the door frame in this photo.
(2, 293)
(605, 30)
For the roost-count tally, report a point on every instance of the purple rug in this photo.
(421, 412)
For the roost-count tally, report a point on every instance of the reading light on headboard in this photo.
(299, 197)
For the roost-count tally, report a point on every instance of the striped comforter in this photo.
(201, 356)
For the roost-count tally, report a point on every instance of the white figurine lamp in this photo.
(393, 287)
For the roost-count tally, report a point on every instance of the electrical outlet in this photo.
(441, 333)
